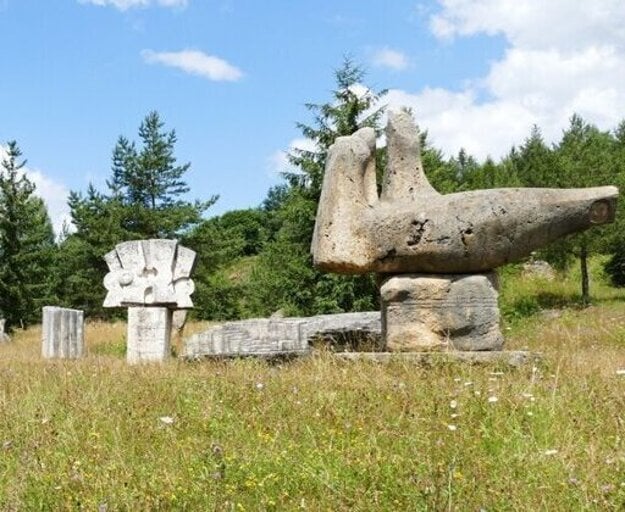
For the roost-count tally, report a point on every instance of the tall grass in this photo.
(317, 433)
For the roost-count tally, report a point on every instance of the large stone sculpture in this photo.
(152, 279)
(435, 253)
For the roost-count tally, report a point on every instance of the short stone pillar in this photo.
(4, 337)
(424, 312)
(62, 333)
(152, 279)
(149, 334)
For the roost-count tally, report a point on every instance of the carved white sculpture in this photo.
(149, 273)
(152, 279)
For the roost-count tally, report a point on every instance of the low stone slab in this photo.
(62, 333)
(270, 337)
(513, 358)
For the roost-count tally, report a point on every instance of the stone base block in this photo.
(149, 334)
(428, 312)
(62, 333)
(513, 358)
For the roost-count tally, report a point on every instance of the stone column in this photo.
(424, 312)
(62, 333)
(149, 334)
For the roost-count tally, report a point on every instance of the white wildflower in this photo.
(551, 452)
(166, 420)
(453, 428)
(492, 399)
(453, 404)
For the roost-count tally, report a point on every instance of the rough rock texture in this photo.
(412, 228)
(422, 312)
(149, 273)
(539, 268)
(149, 334)
(62, 333)
(270, 337)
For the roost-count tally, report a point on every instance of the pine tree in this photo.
(145, 199)
(584, 159)
(26, 244)
(284, 277)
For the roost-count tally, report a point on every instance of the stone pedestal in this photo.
(429, 312)
(149, 334)
(63, 333)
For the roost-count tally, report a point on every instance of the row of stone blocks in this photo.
(148, 334)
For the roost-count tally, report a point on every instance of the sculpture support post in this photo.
(424, 312)
(149, 334)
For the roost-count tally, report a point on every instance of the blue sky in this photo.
(232, 78)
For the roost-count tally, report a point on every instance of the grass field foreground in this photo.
(319, 434)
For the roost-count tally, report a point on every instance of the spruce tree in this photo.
(144, 199)
(26, 245)
(284, 277)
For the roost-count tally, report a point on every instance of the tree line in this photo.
(257, 261)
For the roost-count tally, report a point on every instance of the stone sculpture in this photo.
(278, 336)
(62, 333)
(152, 279)
(435, 253)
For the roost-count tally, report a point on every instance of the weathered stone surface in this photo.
(270, 337)
(539, 268)
(423, 312)
(62, 333)
(149, 272)
(149, 334)
(412, 228)
(4, 337)
(513, 358)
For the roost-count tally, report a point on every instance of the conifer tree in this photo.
(26, 244)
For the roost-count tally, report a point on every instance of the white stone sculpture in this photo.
(149, 273)
(152, 279)
(62, 333)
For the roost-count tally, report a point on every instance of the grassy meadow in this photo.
(320, 434)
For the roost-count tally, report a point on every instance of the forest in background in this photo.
(254, 262)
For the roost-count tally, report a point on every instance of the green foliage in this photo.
(26, 245)
(284, 277)
(144, 199)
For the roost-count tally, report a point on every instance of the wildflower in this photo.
(453, 404)
(454, 415)
(492, 399)
(453, 428)
(468, 383)
(551, 452)
(259, 385)
(166, 420)
(620, 372)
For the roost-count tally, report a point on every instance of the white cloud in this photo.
(388, 58)
(278, 162)
(195, 62)
(562, 57)
(53, 193)
(124, 5)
